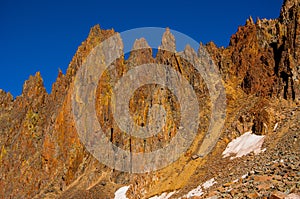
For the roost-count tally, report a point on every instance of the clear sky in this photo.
(44, 35)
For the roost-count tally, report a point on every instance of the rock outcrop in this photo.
(41, 155)
(263, 57)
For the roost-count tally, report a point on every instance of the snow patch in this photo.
(244, 145)
(164, 195)
(198, 191)
(209, 183)
(121, 193)
(195, 192)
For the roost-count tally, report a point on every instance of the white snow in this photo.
(121, 193)
(209, 183)
(195, 192)
(164, 195)
(244, 144)
(198, 191)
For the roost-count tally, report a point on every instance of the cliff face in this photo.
(263, 57)
(41, 154)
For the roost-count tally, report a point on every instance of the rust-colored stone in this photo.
(42, 156)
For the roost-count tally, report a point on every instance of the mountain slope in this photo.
(42, 156)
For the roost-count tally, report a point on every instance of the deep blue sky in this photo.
(44, 36)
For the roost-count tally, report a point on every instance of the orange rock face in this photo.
(41, 154)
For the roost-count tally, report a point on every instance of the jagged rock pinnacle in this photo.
(34, 86)
(168, 41)
(141, 52)
(40, 146)
(287, 5)
(250, 21)
(95, 30)
(140, 44)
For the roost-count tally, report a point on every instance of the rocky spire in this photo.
(288, 5)
(168, 41)
(140, 43)
(5, 99)
(34, 86)
(249, 21)
(95, 31)
(96, 35)
(141, 53)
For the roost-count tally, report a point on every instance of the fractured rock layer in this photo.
(41, 154)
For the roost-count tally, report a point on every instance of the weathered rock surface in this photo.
(41, 155)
